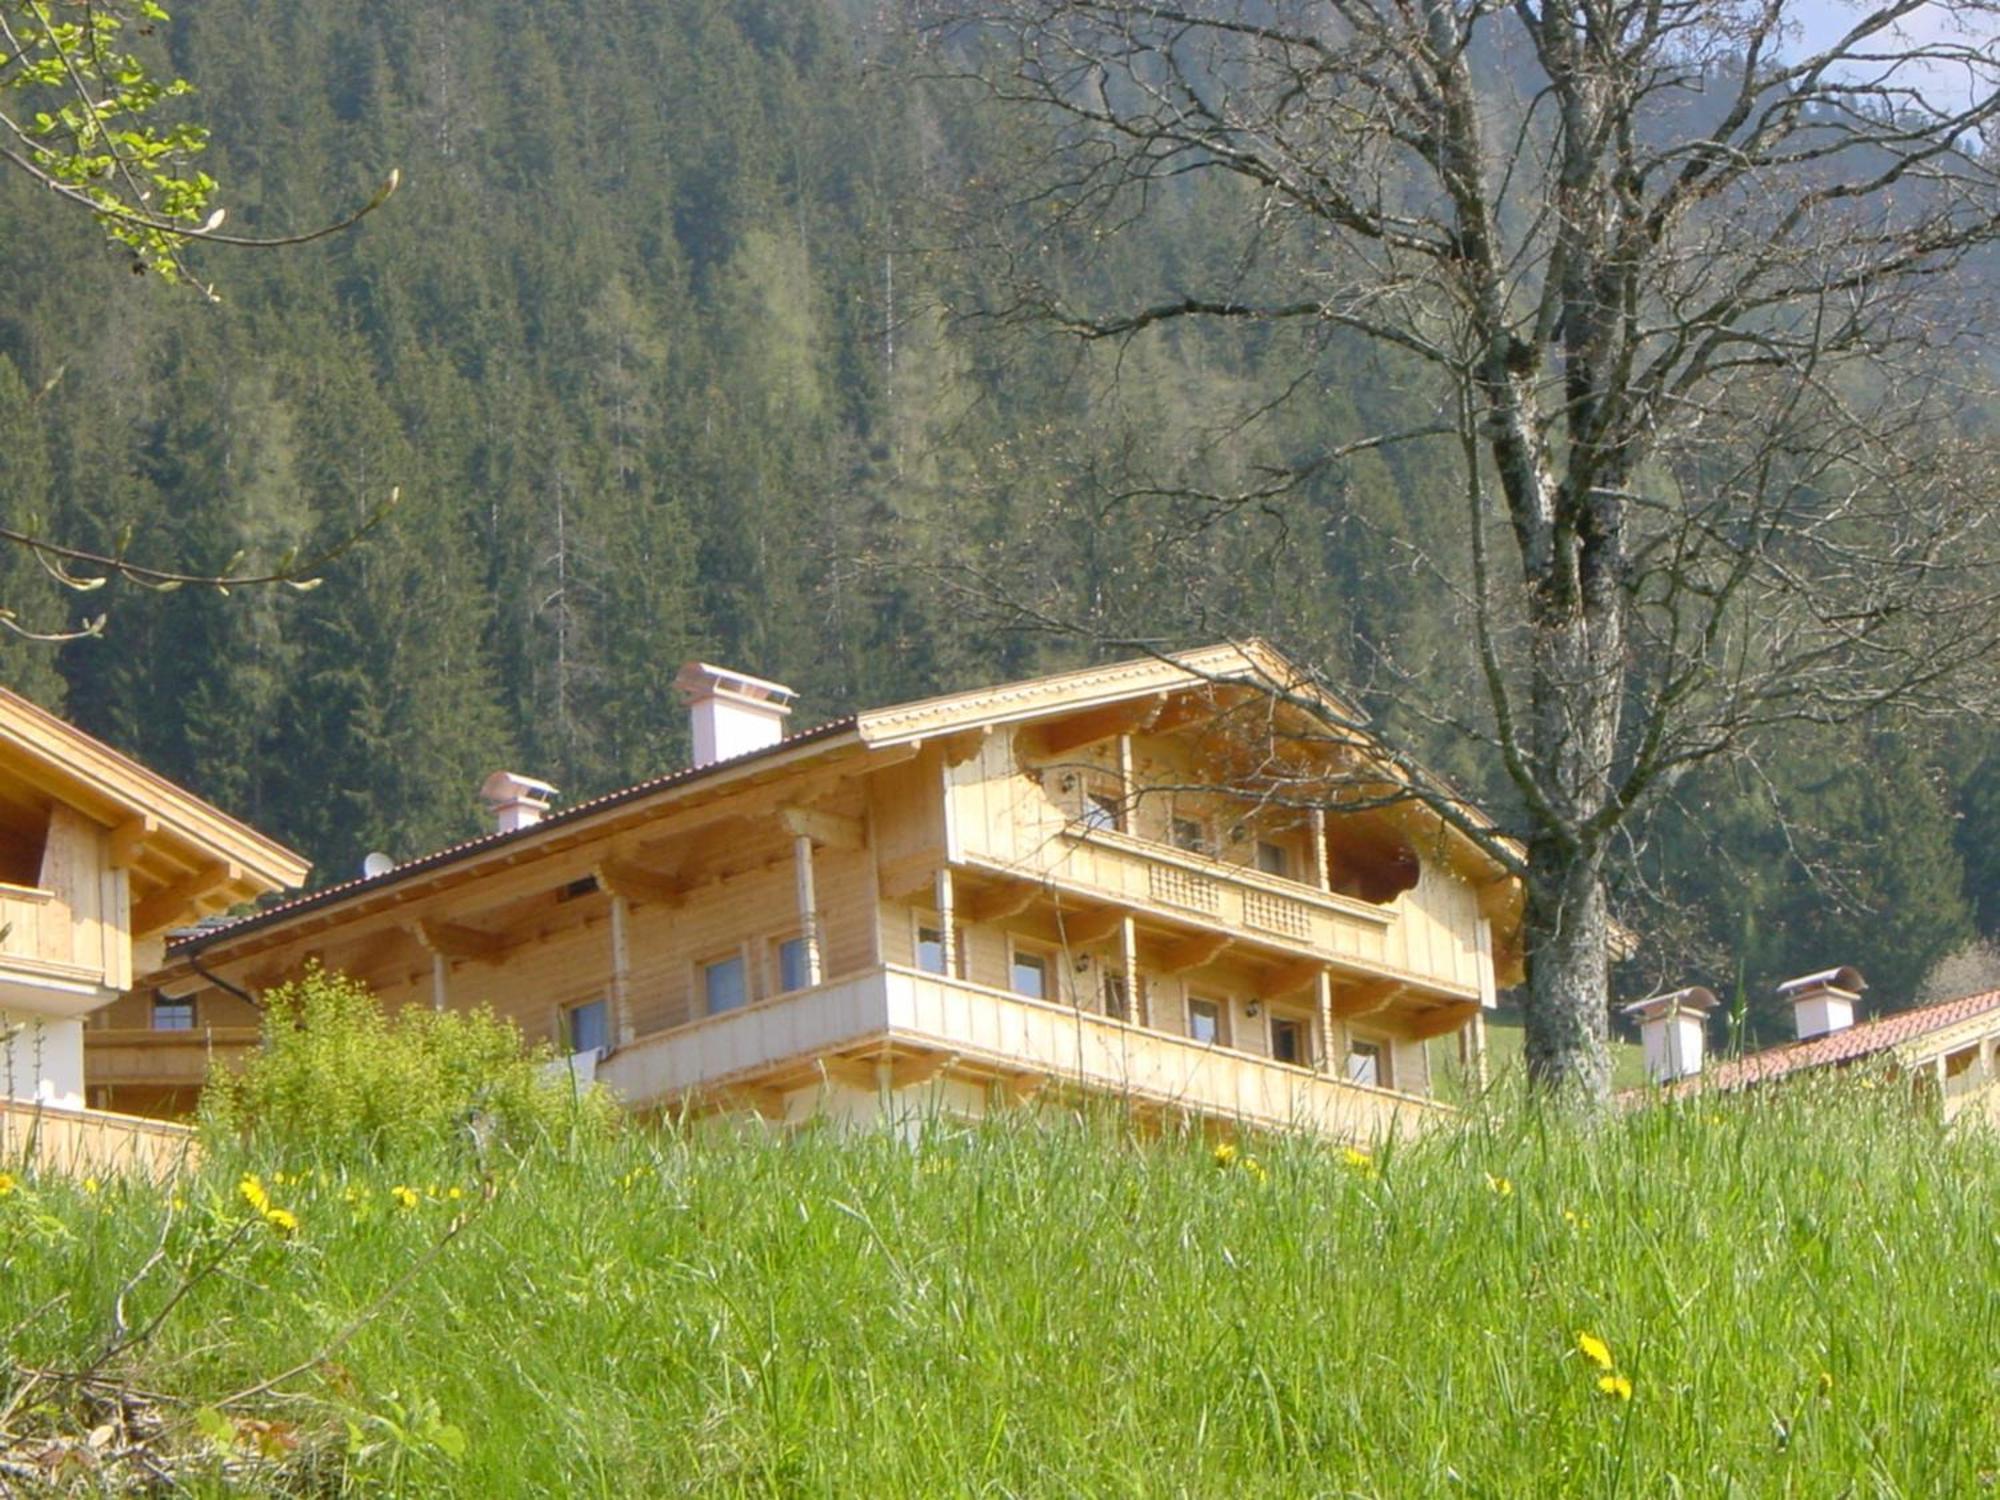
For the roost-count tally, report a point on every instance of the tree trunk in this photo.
(1566, 931)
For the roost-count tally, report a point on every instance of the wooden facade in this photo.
(1143, 881)
(99, 860)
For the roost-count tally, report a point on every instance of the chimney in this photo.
(515, 801)
(732, 713)
(1673, 1029)
(1825, 1001)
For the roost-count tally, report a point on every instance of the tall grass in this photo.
(1799, 1288)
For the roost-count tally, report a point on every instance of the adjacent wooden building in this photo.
(1188, 882)
(99, 860)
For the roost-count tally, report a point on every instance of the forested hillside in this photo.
(664, 348)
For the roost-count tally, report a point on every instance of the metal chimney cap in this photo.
(511, 786)
(1694, 998)
(1846, 979)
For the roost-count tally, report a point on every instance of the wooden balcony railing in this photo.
(1003, 1035)
(1430, 938)
(168, 1059)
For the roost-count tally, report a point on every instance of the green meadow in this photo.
(1796, 1290)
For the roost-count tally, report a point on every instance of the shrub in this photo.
(336, 1074)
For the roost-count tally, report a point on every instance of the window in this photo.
(1274, 859)
(1029, 974)
(1190, 834)
(172, 1015)
(1205, 1020)
(1367, 1062)
(1288, 1041)
(794, 972)
(1101, 810)
(587, 1027)
(1118, 998)
(723, 985)
(930, 949)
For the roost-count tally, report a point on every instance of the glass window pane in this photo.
(1031, 976)
(589, 1027)
(1190, 835)
(724, 984)
(1204, 1020)
(1273, 859)
(930, 950)
(1288, 1041)
(1364, 1064)
(793, 973)
(1100, 811)
(173, 1015)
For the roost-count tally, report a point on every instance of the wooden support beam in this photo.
(828, 830)
(127, 841)
(963, 746)
(1194, 951)
(1364, 997)
(165, 906)
(1292, 978)
(453, 940)
(1023, 1088)
(911, 875)
(1444, 1020)
(854, 1072)
(1060, 736)
(1009, 900)
(1081, 929)
(637, 884)
(907, 1072)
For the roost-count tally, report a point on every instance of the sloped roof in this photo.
(172, 832)
(1869, 1038)
(897, 724)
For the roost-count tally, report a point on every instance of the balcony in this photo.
(1428, 938)
(50, 962)
(124, 1056)
(896, 1025)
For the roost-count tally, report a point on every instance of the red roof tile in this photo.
(1846, 1045)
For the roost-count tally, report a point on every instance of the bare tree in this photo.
(1691, 296)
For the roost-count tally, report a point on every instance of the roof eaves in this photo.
(196, 941)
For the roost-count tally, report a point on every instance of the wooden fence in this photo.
(91, 1142)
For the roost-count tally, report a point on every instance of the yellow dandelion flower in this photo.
(1576, 1220)
(281, 1219)
(1615, 1385)
(251, 1190)
(1256, 1169)
(1594, 1349)
(1225, 1154)
(8, 1182)
(454, 1193)
(405, 1197)
(92, 1186)
(1500, 1187)
(1825, 1385)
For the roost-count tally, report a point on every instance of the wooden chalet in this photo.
(1187, 882)
(99, 860)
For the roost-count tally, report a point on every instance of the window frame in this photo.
(922, 919)
(1114, 977)
(178, 1003)
(1385, 1061)
(1204, 834)
(739, 955)
(1287, 858)
(1042, 953)
(1298, 1023)
(775, 957)
(1217, 1003)
(566, 1028)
